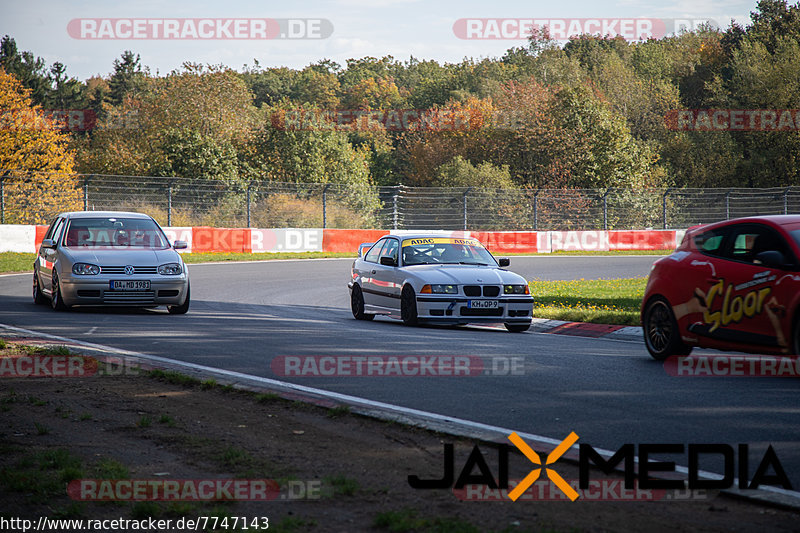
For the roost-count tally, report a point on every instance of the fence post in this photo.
(249, 188)
(728, 204)
(664, 206)
(786, 201)
(394, 209)
(465, 209)
(536, 210)
(325, 205)
(605, 209)
(169, 204)
(86, 192)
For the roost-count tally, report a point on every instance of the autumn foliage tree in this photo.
(35, 161)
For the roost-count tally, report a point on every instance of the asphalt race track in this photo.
(609, 392)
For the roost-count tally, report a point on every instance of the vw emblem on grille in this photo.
(479, 280)
(129, 270)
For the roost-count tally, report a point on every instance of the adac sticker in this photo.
(441, 240)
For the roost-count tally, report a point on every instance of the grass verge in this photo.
(23, 262)
(597, 252)
(603, 301)
(231, 256)
(16, 262)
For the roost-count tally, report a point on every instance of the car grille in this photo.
(121, 269)
(128, 296)
(475, 290)
(472, 290)
(491, 290)
(468, 311)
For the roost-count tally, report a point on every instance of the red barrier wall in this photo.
(642, 240)
(347, 240)
(40, 231)
(206, 239)
(508, 241)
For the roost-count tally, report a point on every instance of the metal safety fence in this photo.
(35, 197)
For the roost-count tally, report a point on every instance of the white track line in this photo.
(372, 404)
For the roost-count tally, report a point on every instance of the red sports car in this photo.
(732, 285)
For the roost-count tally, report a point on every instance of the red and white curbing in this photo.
(26, 238)
(584, 329)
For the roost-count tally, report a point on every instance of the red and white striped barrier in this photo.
(27, 238)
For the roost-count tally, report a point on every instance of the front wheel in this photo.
(57, 301)
(357, 304)
(184, 307)
(408, 306)
(661, 334)
(517, 328)
(38, 297)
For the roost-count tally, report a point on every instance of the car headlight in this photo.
(516, 289)
(170, 269)
(85, 269)
(440, 289)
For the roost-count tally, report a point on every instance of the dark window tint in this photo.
(710, 242)
(747, 241)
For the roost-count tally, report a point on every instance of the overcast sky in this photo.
(357, 28)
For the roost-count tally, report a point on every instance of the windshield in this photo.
(434, 251)
(115, 232)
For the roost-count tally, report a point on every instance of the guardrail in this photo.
(29, 197)
(27, 238)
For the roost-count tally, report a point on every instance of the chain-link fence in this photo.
(27, 198)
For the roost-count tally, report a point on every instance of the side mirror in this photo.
(388, 261)
(772, 259)
(48, 243)
(504, 261)
(180, 245)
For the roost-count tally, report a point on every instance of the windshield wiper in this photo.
(463, 263)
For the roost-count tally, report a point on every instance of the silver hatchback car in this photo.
(104, 258)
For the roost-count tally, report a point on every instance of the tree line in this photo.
(589, 113)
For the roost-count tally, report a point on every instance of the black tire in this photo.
(517, 328)
(184, 307)
(357, 304)
(661, 334)
(38, 297)
(56, 300)
(408, 306)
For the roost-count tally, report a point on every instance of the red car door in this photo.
(745, 309)
(693, 277)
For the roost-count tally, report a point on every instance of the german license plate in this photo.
(482, 304)
(129, 285)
